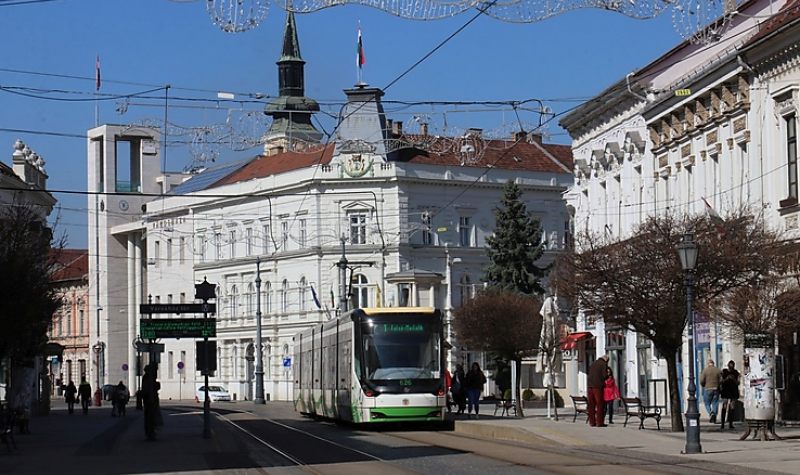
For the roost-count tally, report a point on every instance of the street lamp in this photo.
(687, 251)
(259, 399)
(448, 304)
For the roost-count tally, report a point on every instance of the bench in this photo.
(635, 408)
(581, 405)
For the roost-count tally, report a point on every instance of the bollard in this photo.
(98, 397)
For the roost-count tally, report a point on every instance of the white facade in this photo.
(290, 211)
(699, 127)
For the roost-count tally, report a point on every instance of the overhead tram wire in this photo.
(14, 3)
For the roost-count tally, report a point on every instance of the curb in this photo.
(492, 431)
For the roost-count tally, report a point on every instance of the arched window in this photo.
(234, 301)
(360, 292)
(303, 296)
(251, 301)
(285, 297)
(266, 299)
(466, 289)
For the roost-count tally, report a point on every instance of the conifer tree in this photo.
(515, 246)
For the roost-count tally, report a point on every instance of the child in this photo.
(610, 394)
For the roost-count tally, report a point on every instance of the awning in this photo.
(571, 341)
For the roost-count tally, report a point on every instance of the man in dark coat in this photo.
(595, 383)
(150, 387)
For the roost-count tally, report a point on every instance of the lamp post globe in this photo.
(687, 252)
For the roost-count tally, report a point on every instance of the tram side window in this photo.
(308, 361)
(344, 362)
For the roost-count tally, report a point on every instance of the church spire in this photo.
(291, 127)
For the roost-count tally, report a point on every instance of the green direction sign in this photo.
(177, 328)
(177, 308)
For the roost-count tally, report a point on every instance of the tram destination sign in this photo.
(151, 328)
(178, 308)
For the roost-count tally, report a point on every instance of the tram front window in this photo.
(401, 352)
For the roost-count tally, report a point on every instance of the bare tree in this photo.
(638, 283)
(503, 322)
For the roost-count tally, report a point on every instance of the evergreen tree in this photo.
(515, 246)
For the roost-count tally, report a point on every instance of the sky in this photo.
(49, 51)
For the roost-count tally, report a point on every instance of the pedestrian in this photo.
(596, 382)
(474, 381)
(710, 380)
(149, 390)
(448, 383)
(729, 392)
(120, 398)
(459, 390)
(610, 394)
(70, 391)
(85, 392)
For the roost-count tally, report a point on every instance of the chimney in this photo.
(536, 137)
(389, 125)
(474, 132)
(520, 136)
(397, 128)
(423, 129)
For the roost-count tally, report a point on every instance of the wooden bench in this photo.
(581, 405)
(635, 408)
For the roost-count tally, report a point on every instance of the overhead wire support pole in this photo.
(259, 399)
(342, 265)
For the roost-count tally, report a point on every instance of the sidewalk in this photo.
(722, 447)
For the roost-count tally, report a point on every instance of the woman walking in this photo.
(729, 392)
(474, 384)
(610, 394)
(69, 396)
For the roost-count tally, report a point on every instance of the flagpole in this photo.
(97, 91)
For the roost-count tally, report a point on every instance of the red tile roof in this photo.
(71, 264)
(502, 154)
(264, 166)
(789, 13)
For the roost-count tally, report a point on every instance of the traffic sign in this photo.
(180, 364)
(124, 366)
(178, 308)
(287, 362)
(152, 328)
(149, 347)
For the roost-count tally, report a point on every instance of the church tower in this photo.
(291, 128)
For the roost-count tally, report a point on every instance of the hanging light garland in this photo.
(703, 21)
(236, 16)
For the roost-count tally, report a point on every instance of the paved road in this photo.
(273, 439)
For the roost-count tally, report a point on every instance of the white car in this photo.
(215, 393)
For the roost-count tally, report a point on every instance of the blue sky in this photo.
(144, 44)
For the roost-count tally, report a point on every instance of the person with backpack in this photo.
(120, 399)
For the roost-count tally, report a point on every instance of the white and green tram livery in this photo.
(372, 365)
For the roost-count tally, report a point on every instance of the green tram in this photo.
(372, 365)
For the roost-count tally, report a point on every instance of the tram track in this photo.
(303, 449)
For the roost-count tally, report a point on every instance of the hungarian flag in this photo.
(361, 59)
(97, 73)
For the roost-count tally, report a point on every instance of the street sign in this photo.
(200, 357)
(287, 362)
(177, 308)
(142, 347)
(124, 366)
(152, 328)
(180, 365)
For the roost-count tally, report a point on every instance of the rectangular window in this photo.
(181, 250)
(156, 253)
(169, 298)
(183, 297)
(69, 323)
(82, 329)
(217, 246)
(170, 364)
(182, 370)
(249, 241)
(202, 244)
(358, 227)
(284, 235)
(169, 252)
(266, 239)
(791, 154)
(464, 231)
(158, 299)
(232, 243)
(61, 326)
(427, 235)
(302, 233)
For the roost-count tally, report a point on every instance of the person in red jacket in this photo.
(595, 384)
(610, 394)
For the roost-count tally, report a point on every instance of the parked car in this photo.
(215, 393)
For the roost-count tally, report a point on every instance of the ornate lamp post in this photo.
(259, 399)
(687, 251)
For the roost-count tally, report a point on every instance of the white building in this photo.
(703, 125)
(394, 203)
